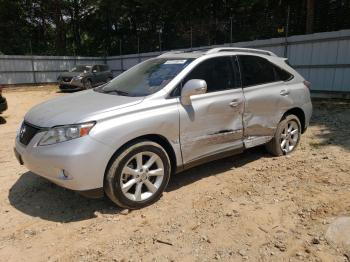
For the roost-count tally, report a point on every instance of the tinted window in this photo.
(256, 70)
(281, 74)
(81, 68)
(217, 72)
(104, 67)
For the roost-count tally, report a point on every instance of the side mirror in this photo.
(191, 88)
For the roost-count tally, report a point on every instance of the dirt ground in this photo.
(250, 207)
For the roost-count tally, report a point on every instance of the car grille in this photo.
(67, 79)
(27, 132)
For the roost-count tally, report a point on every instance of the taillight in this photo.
(307, 84)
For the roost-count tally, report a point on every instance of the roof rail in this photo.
(186, 51)
(240, 49)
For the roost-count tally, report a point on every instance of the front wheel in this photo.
(88, 84)
(138, 175)
(287, 136)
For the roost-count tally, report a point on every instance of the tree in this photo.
(310, 7)
(108, 27)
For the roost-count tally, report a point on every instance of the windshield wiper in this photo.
(118, 92)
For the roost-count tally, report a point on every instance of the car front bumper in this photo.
(72, 85)
(3, 104)
(78, 164)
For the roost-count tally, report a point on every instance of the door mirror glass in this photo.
(192, 87)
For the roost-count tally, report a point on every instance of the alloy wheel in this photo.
(289, 136)
(142, 176)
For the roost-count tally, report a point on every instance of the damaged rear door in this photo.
(213, 122)
(266, 98)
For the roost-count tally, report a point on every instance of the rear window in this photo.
(281, 74)
(256, 70)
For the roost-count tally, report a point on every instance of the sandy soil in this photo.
(251, 207)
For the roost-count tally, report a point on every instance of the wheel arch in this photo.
(159, 139)
(300, 114)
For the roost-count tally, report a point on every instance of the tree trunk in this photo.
(310, 13)
(60, 33)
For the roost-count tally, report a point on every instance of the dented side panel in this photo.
(210, 124)
(263, 108)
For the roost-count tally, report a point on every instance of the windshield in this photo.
(146, 78)
(81, 68)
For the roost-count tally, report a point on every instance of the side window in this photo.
(281, 74)
(104, 68)
(217, 72)
(256, 70)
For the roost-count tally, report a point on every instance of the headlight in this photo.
(19, 128)
(64, 133)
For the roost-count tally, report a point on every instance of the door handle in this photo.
(284, 92)
(234, 103)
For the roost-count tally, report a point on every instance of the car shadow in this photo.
(332, 117)
(216, 167)
(2, 120)
(68, 91)
(37, 197)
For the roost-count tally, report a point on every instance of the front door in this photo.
(213, 122)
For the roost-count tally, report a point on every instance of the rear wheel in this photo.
(138, 175)
(287, 136)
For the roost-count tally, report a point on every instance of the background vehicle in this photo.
(162, 116)
(3, 102)
(84, 77)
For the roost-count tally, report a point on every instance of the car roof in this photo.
(202, 52)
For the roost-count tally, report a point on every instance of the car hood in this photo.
(72, 74)
(74, 108)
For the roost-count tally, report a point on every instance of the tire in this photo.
(286, 138)
(142, 184)
(88, 84)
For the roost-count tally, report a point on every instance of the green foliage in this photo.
(88, 27)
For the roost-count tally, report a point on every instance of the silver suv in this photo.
(164, 115)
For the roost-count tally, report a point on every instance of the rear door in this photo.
(266, 96)
(213, 122)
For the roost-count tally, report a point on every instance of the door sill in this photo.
(210, 158)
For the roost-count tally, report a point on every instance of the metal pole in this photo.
(138, 48)
(160, 41)
(121, 56)
(191, 38)
(231, 40)
(32, 61)
(287, 33)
